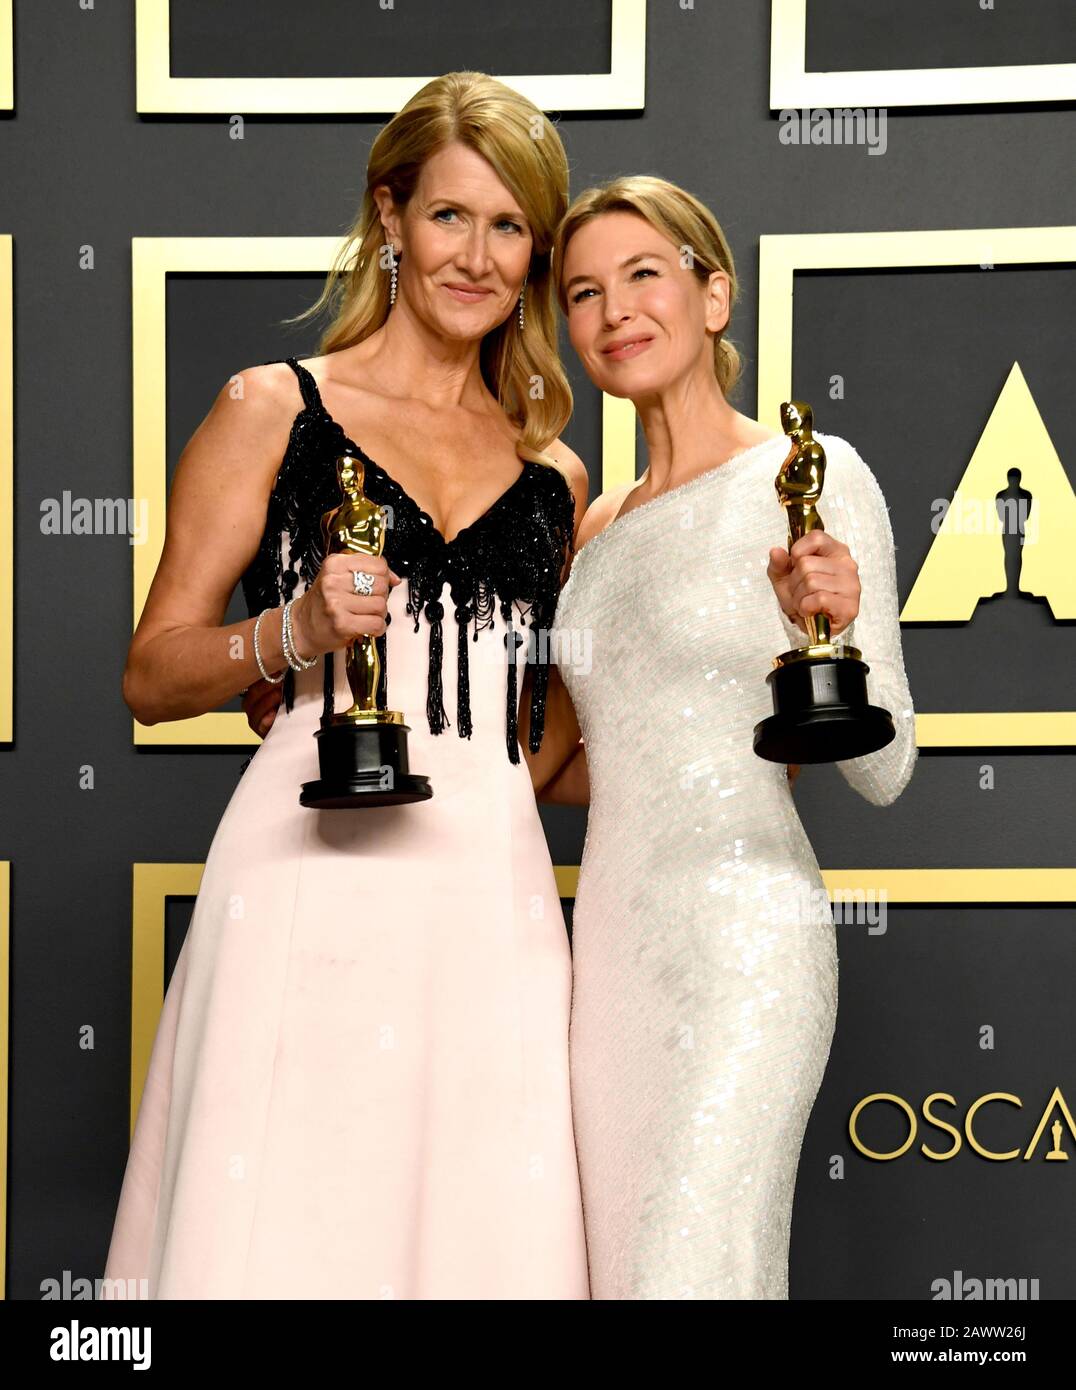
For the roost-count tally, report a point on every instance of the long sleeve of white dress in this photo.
(854, 510)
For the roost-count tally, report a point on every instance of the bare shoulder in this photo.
(261, 395)
(247, 426)
(601, 512)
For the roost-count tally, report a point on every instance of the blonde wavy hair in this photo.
(678, 215)
(521, 368)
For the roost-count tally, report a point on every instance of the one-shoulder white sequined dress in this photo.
(705, 964)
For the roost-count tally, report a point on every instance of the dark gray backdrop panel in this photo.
(864, 35)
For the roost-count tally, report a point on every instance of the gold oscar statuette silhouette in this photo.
(821, 710)
(362, 752)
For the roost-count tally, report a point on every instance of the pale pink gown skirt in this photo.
(359, 1085)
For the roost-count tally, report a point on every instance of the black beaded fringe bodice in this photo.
(515, 551)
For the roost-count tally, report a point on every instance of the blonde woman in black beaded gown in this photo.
(359, 1084)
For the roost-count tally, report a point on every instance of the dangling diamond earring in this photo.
(522, 288)
(392, 282)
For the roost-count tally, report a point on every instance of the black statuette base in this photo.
(363, 765)
(821, 713)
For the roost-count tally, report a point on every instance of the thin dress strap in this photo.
(307, 385)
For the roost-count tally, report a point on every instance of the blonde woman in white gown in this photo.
(705, 965)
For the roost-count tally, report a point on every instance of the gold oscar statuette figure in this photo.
(362, 752)
(821, 710)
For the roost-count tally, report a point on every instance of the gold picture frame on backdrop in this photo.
(780, 256)
(793, 87)
(154, 884)
(151, 887)
(618, 441)
(152, 260)
(7, 492)
(928, 887)
(623, 88)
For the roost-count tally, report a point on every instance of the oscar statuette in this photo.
(362, 752)
(821, 709)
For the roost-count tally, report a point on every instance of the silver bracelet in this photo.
(273, 680)
(295, 661)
